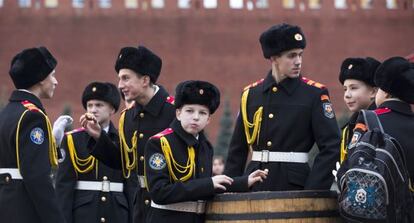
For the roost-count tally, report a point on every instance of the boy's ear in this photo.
(177, 113)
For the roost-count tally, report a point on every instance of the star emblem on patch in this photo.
(37, 136)
(157, 161)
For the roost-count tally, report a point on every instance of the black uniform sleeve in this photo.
(327, 136)
(163, 191)
(65, 182)
(238, 151)
(35, 167)
(106, 151)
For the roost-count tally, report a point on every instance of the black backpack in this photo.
(373, 180)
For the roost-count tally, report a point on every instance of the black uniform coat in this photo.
(88, 205)
(164, 190)
(347, 129)
(296, 114)
(146, 121)
(397, 120)
(32, 199)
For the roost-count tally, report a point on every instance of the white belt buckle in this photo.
(106, 186)
(265, 156)
(200, 208)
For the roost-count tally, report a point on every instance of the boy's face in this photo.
(131, 84)
(289, 63)
(358, 95)
(193, 118)
(48, 85)
(102, 110)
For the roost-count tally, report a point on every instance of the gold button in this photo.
(141, 115)
(269, 143)
(103, 220)
(271, 115)
(147, 202)
(274, 89)
(103, 199)
(141, 158)
(141, 135)
(105, 178)
(7, 179)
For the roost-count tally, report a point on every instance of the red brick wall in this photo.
(219, 45)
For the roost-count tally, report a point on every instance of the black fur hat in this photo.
(102, 91)
(362, 69)
(396, 77)
(31, 66)
(141, 60)
(197, 92)
(280, 38)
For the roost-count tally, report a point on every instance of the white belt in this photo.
(104, 186)
(141, 181)
(198, 207)
(14, 173)
(291, 157)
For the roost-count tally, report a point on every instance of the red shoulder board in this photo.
(75, 131)
(253, 84)
(30, 106)
(170, 99)
(163, 133)
(312, 83)
(380, 111)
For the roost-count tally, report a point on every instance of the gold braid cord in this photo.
(128, 155)
(80, 165)
(257, 120)
(188, 169)
(53, 157)
(344, 139)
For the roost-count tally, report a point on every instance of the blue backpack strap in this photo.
(371, 120)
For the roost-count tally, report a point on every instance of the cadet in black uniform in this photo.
(357, 78)
(280, 119)
(88, 190)
(28, 150)
(395, 80)
(179, 160)
(153, 111)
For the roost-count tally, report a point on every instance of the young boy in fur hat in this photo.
(357, 79)
(28, 150)
(179, 160)
(81, 178)
(281, 117)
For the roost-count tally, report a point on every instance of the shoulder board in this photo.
(75, 131)
(30, 106)
(129, 107)
(170, 99)
(253, 84)
(313, 83)
(380, 111)
(163, 133)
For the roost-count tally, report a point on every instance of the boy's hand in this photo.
(91, 125)
(258, 175)
(220, 180)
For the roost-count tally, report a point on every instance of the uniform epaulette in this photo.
(253, 84)
(30, 106)
(170, 99)
(380, 111)
(163, 133)
(313, 83)
(75, 131)
(129, 107)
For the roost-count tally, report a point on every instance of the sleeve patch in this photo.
(354, 140)
(37, 136)
(157, 161)
(328, 110)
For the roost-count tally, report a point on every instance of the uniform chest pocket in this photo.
(82, 200)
